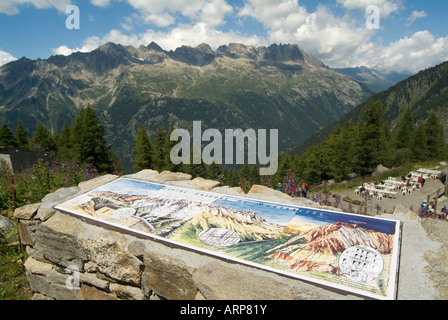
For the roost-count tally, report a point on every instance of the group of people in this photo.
(298, 191)
(407, 181)
(428, 210)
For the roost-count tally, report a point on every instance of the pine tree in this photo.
(435, 141)
(64, 144)
(44, 138)
(159, 150)
(402, 139)
(254, 175)
(22, 135)
(419, 149)
(168, 164)
(142, 150)
(6, 137)
(213, 171)
(404, 132)
(88, 141)
(245, 171)
(372, 139)
(232, 178)
(346, 155)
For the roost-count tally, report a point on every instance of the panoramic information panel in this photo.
(353, 253)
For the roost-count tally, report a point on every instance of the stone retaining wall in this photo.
(70, 259)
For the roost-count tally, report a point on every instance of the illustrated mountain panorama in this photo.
(236, 86)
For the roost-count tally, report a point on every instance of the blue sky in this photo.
(412, 35)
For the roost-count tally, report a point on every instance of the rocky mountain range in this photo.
(318, 248)
(236, 86)
(247, 224)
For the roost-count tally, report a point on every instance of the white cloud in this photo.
(214, 12)
(5, 58)
(320, 33)
(90, 44)
(101, 3)
(409, 54)
(387, 7)
(162, 13)
(339, 41)
(184, 34)
(416, 15)
(12, 7)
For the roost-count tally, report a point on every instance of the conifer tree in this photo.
(232, 178)
(22, 135)
(64, 144)
(158, 157)
(88, 141)
(44, 138)
(6, 137)
(435, 141)
(245, 171)
(213, 170)
(419, 150)
(402, 139)
(372, 139)
(142, 150)
(403, 134)
(168, 164)
(254, 175)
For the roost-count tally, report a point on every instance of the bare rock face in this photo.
(218, 283)
(169, 277)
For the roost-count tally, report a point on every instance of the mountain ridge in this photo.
(423, 93)
(279, 87)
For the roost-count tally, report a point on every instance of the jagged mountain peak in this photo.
(154, 46)
(237, 86)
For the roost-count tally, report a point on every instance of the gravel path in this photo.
(412, 200)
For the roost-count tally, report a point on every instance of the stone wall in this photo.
(70, 259)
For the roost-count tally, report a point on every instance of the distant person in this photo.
(279, 186)
(424, 209)
(304, 190)
(444, 213)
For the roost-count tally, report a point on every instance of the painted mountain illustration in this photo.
(318, 248)
(247, 224)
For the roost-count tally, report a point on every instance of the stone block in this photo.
(172, 176)
(26, 212)
(38, 283)
(27, 230)
(169, 278)
(266, 193)
(96, 182)
(87, 292)
(108, 251)
(37, 267)
(62, 195)
(93, 280)
(57, 240)
(218, 282)
(126, 292)
(204, 184)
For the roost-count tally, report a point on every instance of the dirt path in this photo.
(412, 200)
